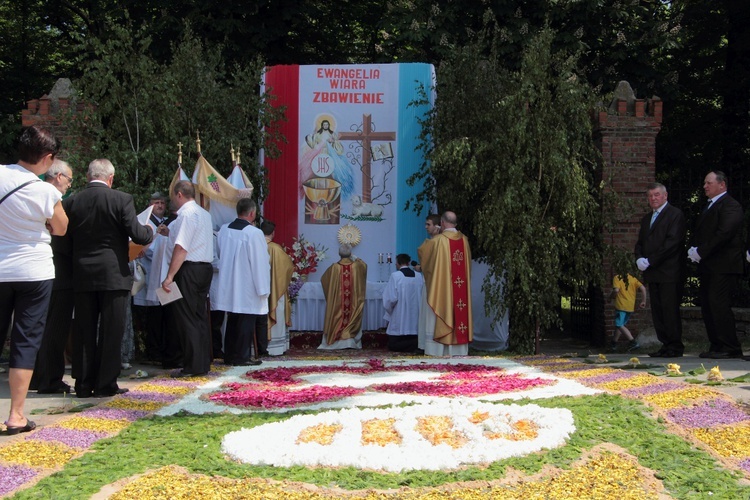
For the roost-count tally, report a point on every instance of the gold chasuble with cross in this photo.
(282, 268)
(344, 285)
(446, 265)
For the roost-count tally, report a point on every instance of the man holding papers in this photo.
(101, 220)
(189, 251)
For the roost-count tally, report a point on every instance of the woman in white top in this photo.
(30, 211)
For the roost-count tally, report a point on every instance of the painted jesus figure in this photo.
(344, 286)
(324, 141)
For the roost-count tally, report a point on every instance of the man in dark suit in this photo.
(717, 248)
(102, 221)
(659, 255)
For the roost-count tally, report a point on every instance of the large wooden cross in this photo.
(366, 136)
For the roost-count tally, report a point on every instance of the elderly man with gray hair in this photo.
(101, 222)
(50, 360)
(344, 286)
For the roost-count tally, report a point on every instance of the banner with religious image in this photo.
(352, 133)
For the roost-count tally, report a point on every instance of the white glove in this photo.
(747, 255)
(642, 264)
(693, 254)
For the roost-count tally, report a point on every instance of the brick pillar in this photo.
(54, 112)
(626, 134)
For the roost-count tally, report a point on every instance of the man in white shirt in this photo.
(402, 298)
(244, 286)
(189, 253)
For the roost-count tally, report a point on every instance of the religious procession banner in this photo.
(219, 195)
(215, 193)
(352, 133)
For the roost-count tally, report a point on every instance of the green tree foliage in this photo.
(615, 40)
(283, 31)
(707, 115)
(142, 109)
(512, 153)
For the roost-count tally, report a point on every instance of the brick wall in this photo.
(53, 111)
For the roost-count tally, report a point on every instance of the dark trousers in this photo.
(50, 361)
(97, 338)
(190, 316)
(172, 357)
(243, 330)
(217, 340)
(402, 343)
(665, 313)
(29, 300)
(716, 299)
(153, 321)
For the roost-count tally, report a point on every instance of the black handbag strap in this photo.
(18, 187)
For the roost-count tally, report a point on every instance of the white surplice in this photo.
(244, 279)
(156, 272)
(402, 298)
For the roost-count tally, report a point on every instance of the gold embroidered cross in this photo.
(463, 328)
(461, 304)
(458, 282)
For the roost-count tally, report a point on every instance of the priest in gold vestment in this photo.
(446, 323)
(344, 286)
(279, 310)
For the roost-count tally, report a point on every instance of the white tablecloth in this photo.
(309, 311)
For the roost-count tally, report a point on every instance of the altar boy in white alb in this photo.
(402, 298)
(244, 285)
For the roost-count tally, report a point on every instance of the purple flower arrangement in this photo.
(708, 414)
(15, 476)
(648, 390)
(69, 437)
(294, 288)
(151, 396)
(609, 377)
(115, 414)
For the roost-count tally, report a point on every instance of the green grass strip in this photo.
(194, 442)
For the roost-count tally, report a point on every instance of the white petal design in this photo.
(277, 443)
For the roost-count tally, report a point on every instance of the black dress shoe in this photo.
(110, 393)
(721, 355)
(657, 354)
(183, 374)
(251, 362)
(63, 388)
(82, 392)
(670, 354)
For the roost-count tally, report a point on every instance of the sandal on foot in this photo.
(12, 430)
